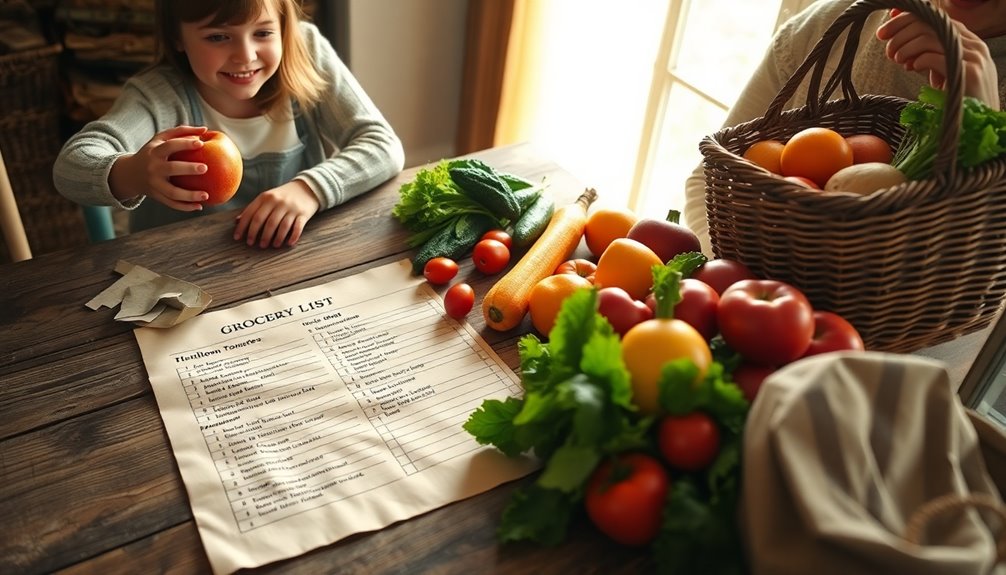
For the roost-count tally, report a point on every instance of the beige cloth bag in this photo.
(850, 457)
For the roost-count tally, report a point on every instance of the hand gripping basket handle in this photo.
(854, 19)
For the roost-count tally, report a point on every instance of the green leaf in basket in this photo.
(982, 134)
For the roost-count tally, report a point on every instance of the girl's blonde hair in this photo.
(297, 77)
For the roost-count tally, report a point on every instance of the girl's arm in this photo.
(366, 152)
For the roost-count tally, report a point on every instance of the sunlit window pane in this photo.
(722, 42)
(689, 118)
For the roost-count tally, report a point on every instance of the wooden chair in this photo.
(10, 219)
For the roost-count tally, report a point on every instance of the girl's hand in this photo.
(277, 215)
(914, 45)
(148, 171)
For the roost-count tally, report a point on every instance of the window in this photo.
(621, 93)
(708, 50)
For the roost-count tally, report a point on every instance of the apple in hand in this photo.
(667, 238)
(224, 167)
(722, 273)
(833, 332)
(621, 309)
(766, 321)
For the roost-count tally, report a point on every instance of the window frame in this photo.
(665, 79)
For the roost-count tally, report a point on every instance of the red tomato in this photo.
(490, 256)
(721, 274)
(766, 321)
(621, 311)
(581, 267)
(459, 300)
(697, 307)
(689, 442)
(749, 377)
(500, 236)
(440, 270)
(833, 332)
(625, 497)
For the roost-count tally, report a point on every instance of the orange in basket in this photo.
(815, 153)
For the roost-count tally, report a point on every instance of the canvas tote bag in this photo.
(867, 462)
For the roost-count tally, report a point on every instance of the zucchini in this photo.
(454, 240)
(487, 188)
(533, 221)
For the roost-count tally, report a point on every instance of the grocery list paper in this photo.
(306, 417)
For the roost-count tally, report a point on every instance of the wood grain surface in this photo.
(88, 481)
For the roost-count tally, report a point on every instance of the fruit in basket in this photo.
(606, 224)
(815, 153)
(627, 264)
(767, 154)
(833, 332)
(625, 497)
(224, 167)
(869, 148)
(667, 238)
(865, 178)
(766, 321)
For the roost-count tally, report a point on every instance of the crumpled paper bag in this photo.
(150, 299)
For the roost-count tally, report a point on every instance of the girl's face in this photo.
(232, 62)
(986, 18)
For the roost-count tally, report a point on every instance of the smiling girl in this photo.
(309, 136)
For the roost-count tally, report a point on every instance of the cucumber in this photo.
(526, 197)
(454, 241)
(485, 187)
(533, 222)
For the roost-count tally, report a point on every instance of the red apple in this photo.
(223, 168)
(667, 238)
(621, 310)
(721, 274)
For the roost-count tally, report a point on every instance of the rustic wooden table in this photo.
(88, 481)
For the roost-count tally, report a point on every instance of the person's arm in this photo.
(103, 164)
(368, 152)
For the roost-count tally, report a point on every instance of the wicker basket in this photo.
(30, 105)
(910, 266)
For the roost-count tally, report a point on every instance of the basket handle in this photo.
(949, 502)
(854, 18)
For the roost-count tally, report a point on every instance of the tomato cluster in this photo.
(491, 255)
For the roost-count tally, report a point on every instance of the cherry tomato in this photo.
(689, 442)
(625, 497)
(766, 321)
(490, 256)
(440, 270)
(500, 236)
(833, 332)
(459, 300)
